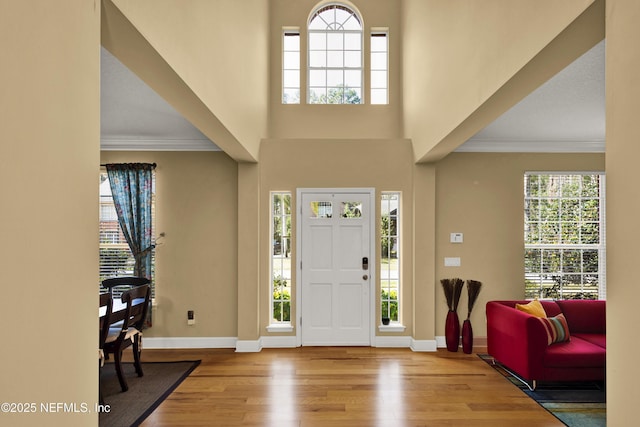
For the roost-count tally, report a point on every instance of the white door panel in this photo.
(335, 295)
(321, 294)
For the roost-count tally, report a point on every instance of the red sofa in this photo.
(518, 341)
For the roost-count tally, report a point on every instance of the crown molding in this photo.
(135, 144)
(493, 146)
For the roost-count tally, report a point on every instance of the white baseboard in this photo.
(278, 342)
(241, 346)
(249, 346)
(424, 345)
(391, 341)
(255, 346)
(477, 342)
(189, 342)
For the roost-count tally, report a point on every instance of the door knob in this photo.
(365, 277)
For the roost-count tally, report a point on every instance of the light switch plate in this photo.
(452, 261)
(456, 238)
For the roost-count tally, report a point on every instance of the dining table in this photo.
(118, 309)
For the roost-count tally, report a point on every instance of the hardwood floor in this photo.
(342, 386)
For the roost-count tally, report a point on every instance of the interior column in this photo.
(248, 258)
(424, 262)
(623, 208)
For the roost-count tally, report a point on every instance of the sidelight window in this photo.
(281, 258)
(390, 257)
(379, 67)
(291, 67)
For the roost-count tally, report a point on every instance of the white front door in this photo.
(336, 298)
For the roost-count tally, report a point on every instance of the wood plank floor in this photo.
(342, 386)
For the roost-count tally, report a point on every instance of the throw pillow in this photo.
(556, 328)
(534, 308)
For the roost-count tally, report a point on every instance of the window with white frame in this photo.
(116, 258)
(379, 67)
(291, 66)
(564, 234)
(281, 258)
(390, 256)
(335, 56)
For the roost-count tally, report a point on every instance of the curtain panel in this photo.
(131, 188)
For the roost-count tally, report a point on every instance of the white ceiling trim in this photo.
(485, 146)
(124, 144)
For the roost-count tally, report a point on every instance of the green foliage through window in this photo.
(281, 298)
(564, 236)
(335, 95)
(390, 256)
(281, 257)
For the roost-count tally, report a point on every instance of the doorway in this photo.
(336, 296)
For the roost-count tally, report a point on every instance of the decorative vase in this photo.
(467, 337)
(452, 330)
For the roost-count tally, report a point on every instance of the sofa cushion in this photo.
(598, 339)
(551, 308)
(585, 316)
(576, 353)
(534, 308)
(556, 328)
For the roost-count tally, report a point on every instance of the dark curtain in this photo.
(131, 188)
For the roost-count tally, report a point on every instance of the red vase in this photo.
(452, 331)
(467, 337)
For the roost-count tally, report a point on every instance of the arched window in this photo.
(335, 56)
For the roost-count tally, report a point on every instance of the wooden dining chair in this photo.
(103, 329)
(122, 281)
(105, 322)
(126, 328)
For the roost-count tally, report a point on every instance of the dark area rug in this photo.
(145, 393)
(576, 404)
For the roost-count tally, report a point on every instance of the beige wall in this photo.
(196, 261)
(362, 140)
(334, 121)
(382, 164)
(623, 207)
(50, 110)
(481, 195)
(49, 156)
(221, 84)
(473, 60)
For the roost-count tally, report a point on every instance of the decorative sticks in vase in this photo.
(452, 290)
(473, 289)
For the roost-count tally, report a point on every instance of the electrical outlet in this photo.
(191, 320)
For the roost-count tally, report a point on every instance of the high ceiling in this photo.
(133, 116)
(566, 114)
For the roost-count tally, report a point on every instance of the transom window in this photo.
(564, 234)
(335, 56)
